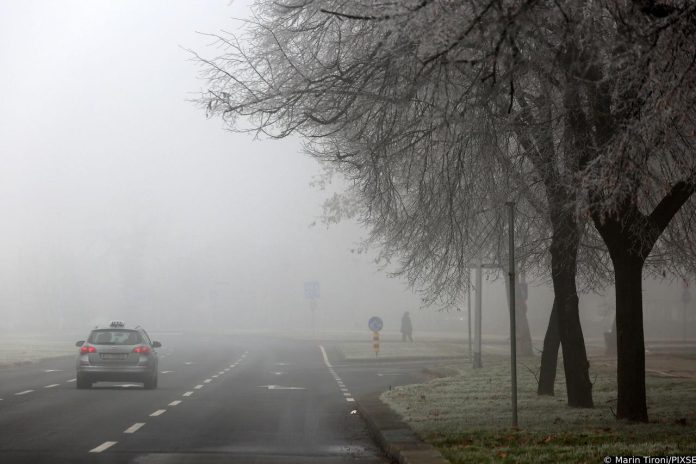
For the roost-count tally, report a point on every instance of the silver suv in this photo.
(117, 353)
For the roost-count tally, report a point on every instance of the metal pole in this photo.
(477, 329)
(513, 327)
(468, 312)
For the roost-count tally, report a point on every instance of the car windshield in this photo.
(114, 337)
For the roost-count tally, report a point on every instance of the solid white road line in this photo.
(198, 387)
(103, 446)
(188, 393)
(159, 412)
(326, 358)
(23, 392)
(71, 380)
(175, 403)
(134, 428)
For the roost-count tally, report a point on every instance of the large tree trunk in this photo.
(564, 248)
(628, 257)
(549, 356)
(575, 364)
(630, 343)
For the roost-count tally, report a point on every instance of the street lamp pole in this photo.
(513, 327)
(468, 311)
(477, 328)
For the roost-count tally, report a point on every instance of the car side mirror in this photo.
(80, 343)
(156, 344)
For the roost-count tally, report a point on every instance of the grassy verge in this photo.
(392, 349)
(467, 416)
(24, 347)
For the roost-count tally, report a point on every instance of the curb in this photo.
(394, 436)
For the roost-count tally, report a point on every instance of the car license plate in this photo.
(113, 356)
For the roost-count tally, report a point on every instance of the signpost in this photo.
(375, 324)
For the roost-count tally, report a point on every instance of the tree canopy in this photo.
(440, 111)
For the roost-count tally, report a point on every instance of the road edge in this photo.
(396, 439)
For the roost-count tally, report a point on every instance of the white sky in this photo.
(119, 196)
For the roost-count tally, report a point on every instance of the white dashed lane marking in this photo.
(175, 403)
(72, 380)
(188, 393)
(104, 446)
(159, 412)
(338, 380)
(198, 387)
(51, 386)
(23, 392)
(134, 428)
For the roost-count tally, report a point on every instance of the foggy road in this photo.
(219, 400)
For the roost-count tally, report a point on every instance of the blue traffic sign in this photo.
(375, 324)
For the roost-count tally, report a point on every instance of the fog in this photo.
(120, 200)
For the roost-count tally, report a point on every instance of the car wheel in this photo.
(83, 382)
(150, 383)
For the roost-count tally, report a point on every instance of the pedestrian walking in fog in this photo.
(406, 327)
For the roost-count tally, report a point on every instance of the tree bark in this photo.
(575, 364)
(628, 253)
(565, 242)
(549, 356)
(630, 343)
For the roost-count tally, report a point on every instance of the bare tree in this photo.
(631, 104)
(415, 102)
(438, 111)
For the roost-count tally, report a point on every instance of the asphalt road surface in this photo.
(220, 399)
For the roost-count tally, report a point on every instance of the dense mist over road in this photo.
(121, 200)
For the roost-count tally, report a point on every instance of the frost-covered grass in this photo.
(395, 348)
(21, 347)
(468, 417)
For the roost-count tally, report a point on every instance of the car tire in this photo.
(150, 382)
(83, 382)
